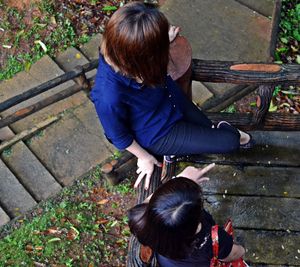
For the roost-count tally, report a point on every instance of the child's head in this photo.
(168, 223)
(136, 41)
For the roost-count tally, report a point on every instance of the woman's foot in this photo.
(246, 140)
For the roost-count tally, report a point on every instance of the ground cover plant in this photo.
(30, 29)
(85, 225)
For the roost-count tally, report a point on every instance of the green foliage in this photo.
(230, 109)
(289, 29)
(47, 34)
(109, 8)
(75, 230)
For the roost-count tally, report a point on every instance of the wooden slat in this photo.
(272, 149)
(266, 213)
(259, 181)
(271, 248)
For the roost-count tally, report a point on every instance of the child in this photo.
(177, 228)
(140, 107)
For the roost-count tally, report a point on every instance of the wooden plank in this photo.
(267, 213)
(270, 247)
(272, 121)
(259, 181)
(272, 149)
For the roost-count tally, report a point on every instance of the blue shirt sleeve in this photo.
(113, 115)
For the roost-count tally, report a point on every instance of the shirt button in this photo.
(174, 106)
(170, 96)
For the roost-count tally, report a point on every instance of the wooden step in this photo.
(272, 149)
(267, 213)
(249, 181)
(271, 248)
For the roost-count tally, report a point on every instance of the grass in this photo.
(44, 28)
(86, 225)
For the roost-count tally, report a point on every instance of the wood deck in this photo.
(259, 190)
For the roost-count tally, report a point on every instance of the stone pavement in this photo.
(33, 170)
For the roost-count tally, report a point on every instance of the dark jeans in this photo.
(194, 135)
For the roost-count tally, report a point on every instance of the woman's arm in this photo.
(145, 163)
(237, 252)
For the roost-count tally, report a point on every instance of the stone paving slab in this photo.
(13, 196)
(221, 30)
(30, 171)
(33, 175)
(71, 58)
(4, 218)
(264, 7)
(91, 49)
(200, 93)
(40, 72)
(276, 182)
(272, 248)
(73, 145)
(226, 30)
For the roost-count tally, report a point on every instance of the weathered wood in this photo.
(24, 112)
(263, 101)
(268, 213)
(228, 72)
(218, 103)
(113, 169)
(272, 121)
(27, 133)
(270, 247)
(48, 85)
(254, 180)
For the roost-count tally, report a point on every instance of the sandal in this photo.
(248, 145)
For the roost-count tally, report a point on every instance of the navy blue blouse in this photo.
(202, 252)
(131, 111)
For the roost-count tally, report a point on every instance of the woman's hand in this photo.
(173, 32)
(146, 167)
(196, 174)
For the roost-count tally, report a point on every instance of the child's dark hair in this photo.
(136, 41)
(168, 223)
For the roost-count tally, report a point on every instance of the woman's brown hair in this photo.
(136, 43)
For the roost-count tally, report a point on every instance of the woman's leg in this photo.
(194, 115)
(187, 138)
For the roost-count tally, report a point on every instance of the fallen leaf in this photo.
(102, 221)
(55, 239)
(102, 202)
(44, 47)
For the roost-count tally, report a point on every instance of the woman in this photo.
(177, 228)
(140, 107)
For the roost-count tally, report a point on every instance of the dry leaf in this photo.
(102, 202)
